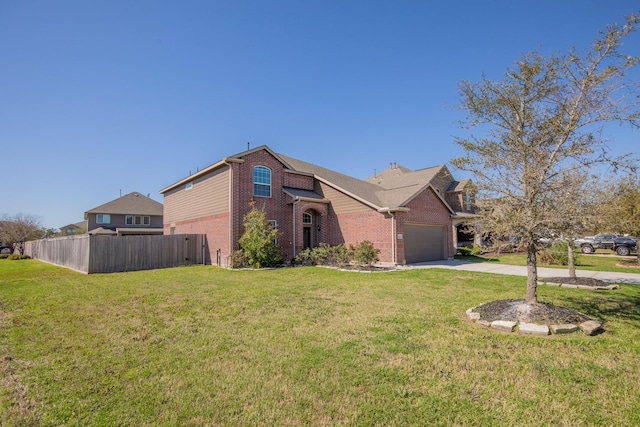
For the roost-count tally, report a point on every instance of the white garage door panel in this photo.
(424, 243)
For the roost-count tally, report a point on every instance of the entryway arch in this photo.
(310, 228)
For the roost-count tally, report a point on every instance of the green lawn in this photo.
(202, 346)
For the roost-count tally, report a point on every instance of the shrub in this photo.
(325, 254)
(342, 255)
(363, 254)
(557, 254)
(259, 240)
(18, 256)
(238, 260)
(366, 254)
(464, 250)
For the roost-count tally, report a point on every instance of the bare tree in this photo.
(542, 121)
(575, 212)
(18, 229)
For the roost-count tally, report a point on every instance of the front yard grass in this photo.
(201, 346)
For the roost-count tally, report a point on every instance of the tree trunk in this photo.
(532, 275)
(572, 260)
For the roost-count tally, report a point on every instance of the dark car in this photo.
(622, 245)
(625, 245)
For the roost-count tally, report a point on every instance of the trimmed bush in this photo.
(557, 254)
(18, 256)
(366, 254)
(259, 240)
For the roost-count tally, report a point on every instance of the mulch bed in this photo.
(520, 311)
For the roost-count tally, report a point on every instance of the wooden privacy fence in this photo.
(109, 254)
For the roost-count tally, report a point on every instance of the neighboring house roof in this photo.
(400, 185)
(132, 203)
(77, 225)
(458, 185)
(101, 231)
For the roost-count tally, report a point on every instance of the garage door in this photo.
(424, 243)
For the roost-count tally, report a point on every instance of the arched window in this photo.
(261, 181)
(306, 218)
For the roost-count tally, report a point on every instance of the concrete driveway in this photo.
(514, 270)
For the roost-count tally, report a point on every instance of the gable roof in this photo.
(458, 185)
(390, 189)
(354, 187)
(132, 203)
(400, 185)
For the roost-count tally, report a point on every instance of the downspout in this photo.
(230, 209)
(393, 238)
(295, 202)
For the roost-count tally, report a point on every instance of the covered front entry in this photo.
(424, 243)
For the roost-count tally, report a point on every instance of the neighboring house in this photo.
(409, 215)
(73, 229)
(130, 214)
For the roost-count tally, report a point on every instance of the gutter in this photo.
(226, 161)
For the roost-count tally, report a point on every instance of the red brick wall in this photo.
(216, 227)
(427, 209)
(275, 207)
(295, 180)
(354, 228)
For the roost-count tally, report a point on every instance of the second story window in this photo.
(261, 181)
(137, 220)
(103, 219)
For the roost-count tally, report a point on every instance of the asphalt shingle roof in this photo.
(132, 203)
(354, 186)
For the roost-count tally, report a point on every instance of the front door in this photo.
(306, 237)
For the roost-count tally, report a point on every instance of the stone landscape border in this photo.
(589, 328)
(570, 285)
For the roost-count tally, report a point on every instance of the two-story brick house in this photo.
(406, 214)
(131, 214)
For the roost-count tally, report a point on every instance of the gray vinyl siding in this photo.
(208, 196)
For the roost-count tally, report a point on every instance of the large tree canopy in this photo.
(541, 124)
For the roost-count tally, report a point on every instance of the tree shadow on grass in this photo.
(606, 306)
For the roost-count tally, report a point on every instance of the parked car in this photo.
(6, 250)
(625, 245)
(622, 245)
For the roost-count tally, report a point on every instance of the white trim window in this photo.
(103, 219)
(261, 181)
(307, 218)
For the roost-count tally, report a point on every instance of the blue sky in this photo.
(102, 98)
